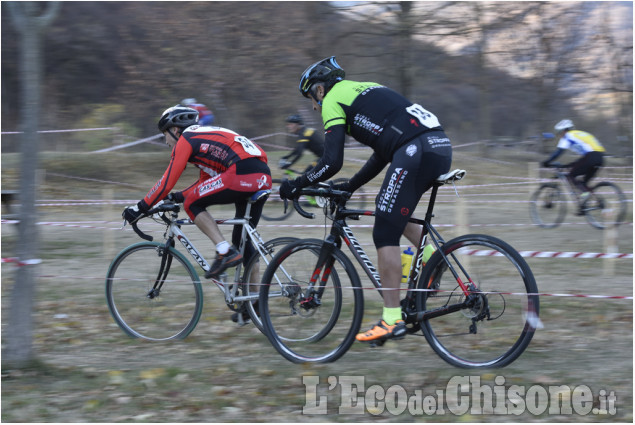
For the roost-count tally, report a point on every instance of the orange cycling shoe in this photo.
(382, 331)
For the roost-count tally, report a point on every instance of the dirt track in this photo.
(224, 373)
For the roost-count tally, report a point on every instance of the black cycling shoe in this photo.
(242, 317)
(223, 262)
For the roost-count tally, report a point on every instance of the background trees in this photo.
(488, 69)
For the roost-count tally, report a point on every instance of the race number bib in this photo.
(248, 146)
(426, 118)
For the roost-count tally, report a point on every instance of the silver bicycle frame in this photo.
(229, 290)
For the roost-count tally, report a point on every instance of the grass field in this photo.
(89, 371)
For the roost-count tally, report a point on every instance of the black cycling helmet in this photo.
(325, 71)
(297, 119)
(177, 116)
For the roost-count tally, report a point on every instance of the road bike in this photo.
(154, 292)
(603, 207)
(277, 209)
(475, 301)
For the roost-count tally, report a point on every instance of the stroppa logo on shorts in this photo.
(411, 150)
(210, 185)
(388, 196)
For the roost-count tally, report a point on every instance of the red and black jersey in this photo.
(212, 149)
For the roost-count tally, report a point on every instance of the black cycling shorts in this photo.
(587, 166)
(232, 187)
(414, 167)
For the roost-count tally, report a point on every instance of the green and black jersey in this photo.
(375, 116)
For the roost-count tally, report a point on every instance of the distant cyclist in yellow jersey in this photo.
(584, 144)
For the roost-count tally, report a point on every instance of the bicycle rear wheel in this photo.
(274, 209)
(311, 322)
(500, 317)
(250, 282)
(548, 206)
(606, 206)
(142, 310)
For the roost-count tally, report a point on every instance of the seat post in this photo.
(433, 197)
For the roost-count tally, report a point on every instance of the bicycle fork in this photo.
(312, 298)
(164, 268)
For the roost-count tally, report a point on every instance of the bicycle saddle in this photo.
(259, 195)
(451, 177)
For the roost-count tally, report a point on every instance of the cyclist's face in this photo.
(293, 127)
(317, 95)
(169, 136)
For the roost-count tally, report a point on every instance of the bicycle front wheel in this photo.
(548, 206)
(250, 283)
(151, 296)
(605, 207)
(311, 312)
(276, 209)
(494, 324)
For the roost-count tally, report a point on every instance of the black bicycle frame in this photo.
(340, 230)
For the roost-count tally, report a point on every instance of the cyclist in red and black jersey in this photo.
(402, 134)
(232, 168)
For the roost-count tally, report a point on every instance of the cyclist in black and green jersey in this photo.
(402, 134)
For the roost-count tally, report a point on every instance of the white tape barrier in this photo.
(64, 131)
(127, 145)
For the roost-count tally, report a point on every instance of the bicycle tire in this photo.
(548, 206)
(302, 327)
(272, 246)
(606, 206)
(274, 208)
(173, 313)
(504, 314)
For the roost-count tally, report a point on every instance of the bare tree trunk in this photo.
(19, 332)
(485, 126)
(404, 61)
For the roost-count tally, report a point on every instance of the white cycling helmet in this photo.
(564, 125)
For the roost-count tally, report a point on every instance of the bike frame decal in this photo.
(358, 251)
(193, 252)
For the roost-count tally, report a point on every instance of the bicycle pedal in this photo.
(378, 343)
(242, 322)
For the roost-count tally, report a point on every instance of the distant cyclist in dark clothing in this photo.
(307, 138)
(402, 134)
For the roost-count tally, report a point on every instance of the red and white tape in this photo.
(546, 254)
(21, 263)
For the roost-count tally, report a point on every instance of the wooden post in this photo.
(108, 196)
(610, 247)
(461, 217)
(534, 177)
(462, 226)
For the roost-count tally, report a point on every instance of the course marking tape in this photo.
(540, 294)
